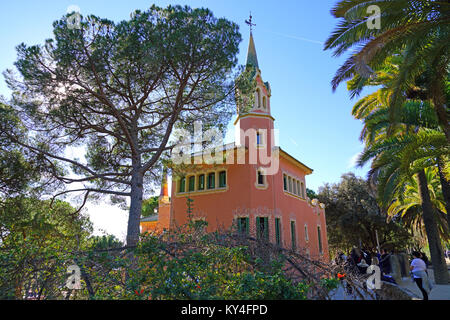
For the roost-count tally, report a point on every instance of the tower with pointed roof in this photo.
(258, 115)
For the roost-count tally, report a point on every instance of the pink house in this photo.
(262, 201)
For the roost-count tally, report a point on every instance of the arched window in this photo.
(319, 236)
(261, 179)
(258, 98)
(264, 102)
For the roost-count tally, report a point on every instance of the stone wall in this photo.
(390, 291)
(396, 271)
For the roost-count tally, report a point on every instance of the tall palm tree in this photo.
(416, 111)
(394, 161)
(419, 29)
(402, 149)
(407, 206)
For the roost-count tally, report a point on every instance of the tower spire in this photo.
(252, 59)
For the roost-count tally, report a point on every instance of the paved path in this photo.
(439, 291)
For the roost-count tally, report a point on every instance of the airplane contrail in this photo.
(295, 37)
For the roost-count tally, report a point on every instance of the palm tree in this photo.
(407, 206)
(417, 111)
(403, 149)
(394, 161)
(419, 29)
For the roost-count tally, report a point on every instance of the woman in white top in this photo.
(418, 270)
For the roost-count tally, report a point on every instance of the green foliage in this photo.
(149, 205)
(311, 194)
(330, 283)
(187, 264)
(353, 215)
(36, 238)
(105, 242)
(407, 205)
(400, 150)
(20, 169)
(207, 271)
(416, 31)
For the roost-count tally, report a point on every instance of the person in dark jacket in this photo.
(385, 264)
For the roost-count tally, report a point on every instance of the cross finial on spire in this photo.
(249, 22)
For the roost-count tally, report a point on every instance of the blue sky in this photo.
(315, 124)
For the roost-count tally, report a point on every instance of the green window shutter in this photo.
(262, 225)
(293, 237)
(243, 225)
(319, 238)
(191, 183)
(266, 229)
(211, 181)
(240, 225)
(182, 185)
(277, 231)
(285, 182)
(222, 179)
(201, 182)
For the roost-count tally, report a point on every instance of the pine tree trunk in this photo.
(445, 190)
(134, 218)
(441, 275)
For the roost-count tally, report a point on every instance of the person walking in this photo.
(418, 271)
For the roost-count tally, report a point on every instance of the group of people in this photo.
(358, 260)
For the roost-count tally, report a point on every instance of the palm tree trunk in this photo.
(445, 189)
(441, 275)
(441, 112)
(438, 93)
